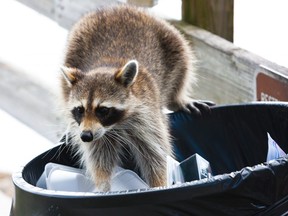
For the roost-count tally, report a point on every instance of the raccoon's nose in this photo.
(86, 136)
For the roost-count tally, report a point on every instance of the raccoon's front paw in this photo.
(158, 182)
(158, 179)
(199, 107)
(102, 181)
(103, 186)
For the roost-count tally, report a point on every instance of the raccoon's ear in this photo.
(71, 75)
(127, 75)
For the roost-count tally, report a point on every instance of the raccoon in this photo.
(122, 67)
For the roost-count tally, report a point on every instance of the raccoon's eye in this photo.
(80, 110)
(102, 111)
(78, 113)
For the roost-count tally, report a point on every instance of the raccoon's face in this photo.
(99, 100)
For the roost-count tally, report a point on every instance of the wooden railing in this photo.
(226, 73)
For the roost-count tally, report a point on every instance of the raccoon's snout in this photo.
(86, 136)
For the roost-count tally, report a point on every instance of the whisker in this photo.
(128, 142)
(118, 140)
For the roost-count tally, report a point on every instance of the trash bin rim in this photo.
(21, 184)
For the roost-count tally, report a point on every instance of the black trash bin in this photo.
(233, 139)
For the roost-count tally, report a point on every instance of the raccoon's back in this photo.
(124, 33)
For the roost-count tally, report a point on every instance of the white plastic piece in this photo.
(174, 173)
(64, 178)
(124, 179)
(274, 150)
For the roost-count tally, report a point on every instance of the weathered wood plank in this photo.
(215, 16)
(67, 12)
(29, 102)
(227, 74)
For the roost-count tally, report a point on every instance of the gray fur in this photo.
(99, 47)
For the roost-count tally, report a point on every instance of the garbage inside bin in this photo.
(232, 138)
(65, 178)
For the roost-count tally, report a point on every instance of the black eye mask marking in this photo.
(102, 112)
(78, 113)
(108, 116)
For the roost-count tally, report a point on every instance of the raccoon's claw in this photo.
(199, 107)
